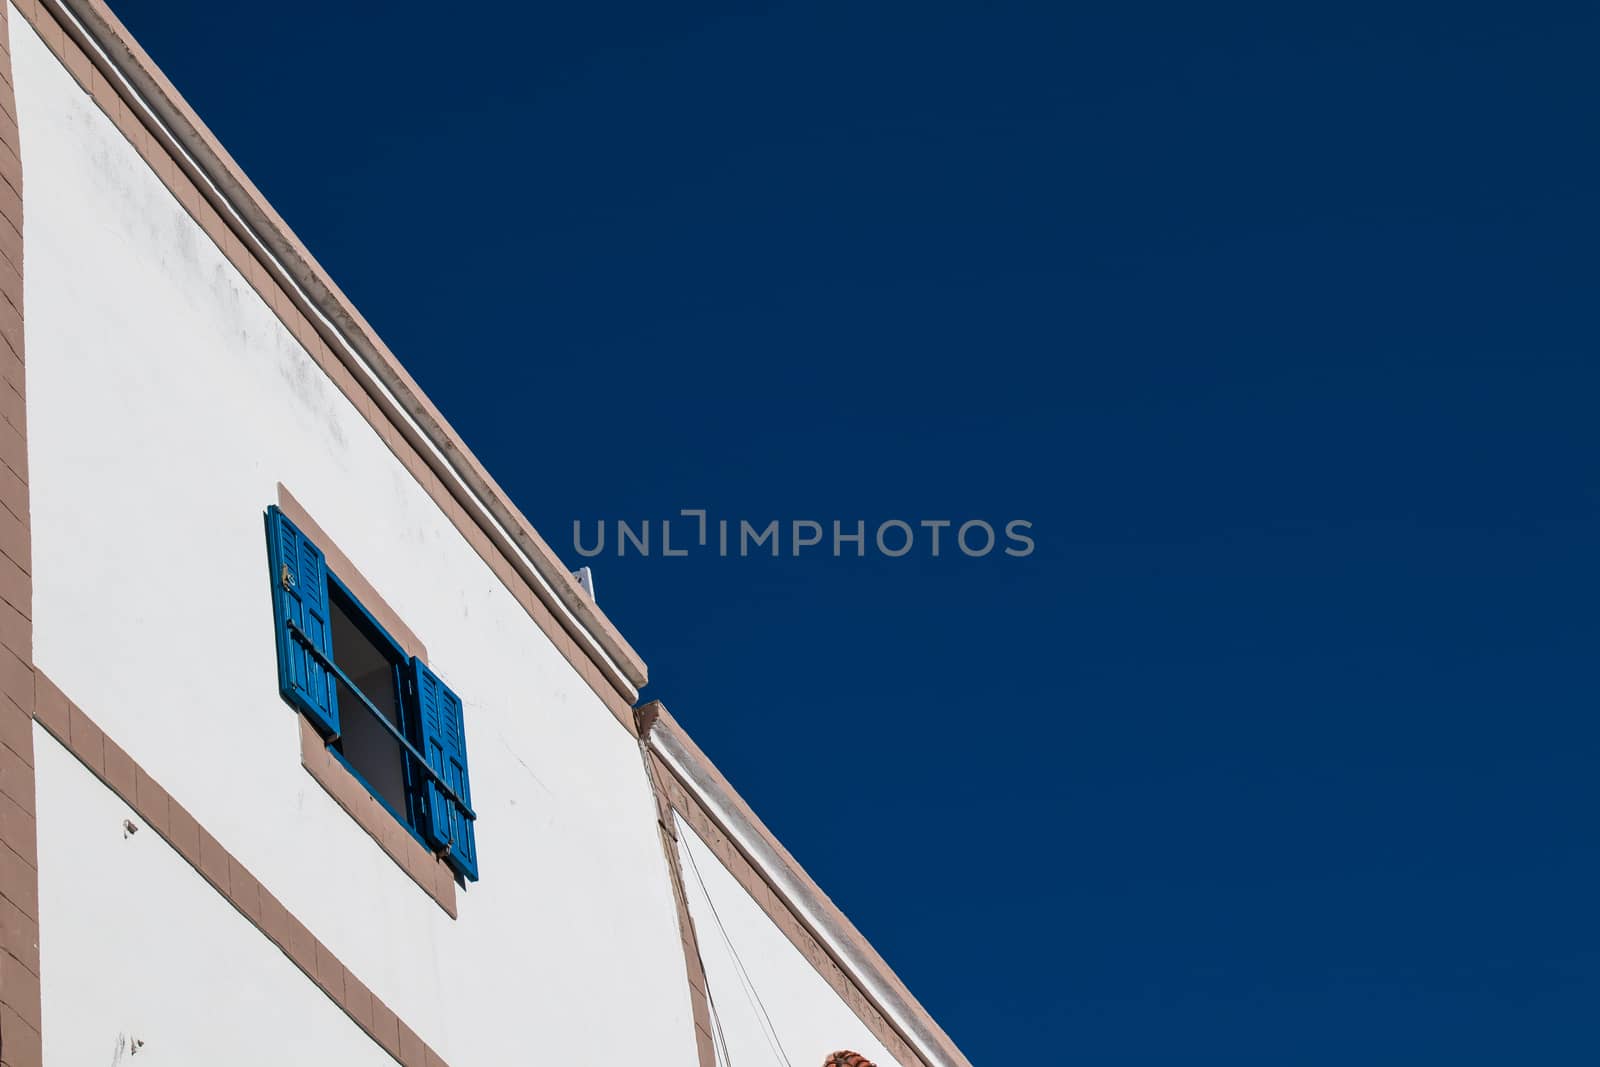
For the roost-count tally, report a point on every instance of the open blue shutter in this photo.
(300, 598)
(444, 744)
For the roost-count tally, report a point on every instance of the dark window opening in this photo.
(374, 664)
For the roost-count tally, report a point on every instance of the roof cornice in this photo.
(174, 124)
(660, 733)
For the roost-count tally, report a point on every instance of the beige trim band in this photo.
(21, 1042)
(109, 762)
(694, 965)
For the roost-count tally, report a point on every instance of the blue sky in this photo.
(1278, 325)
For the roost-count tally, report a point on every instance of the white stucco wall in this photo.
(165, 402)
(766, 995)
(117, 910)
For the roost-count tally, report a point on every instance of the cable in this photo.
(769, 1031)
(725, 1057)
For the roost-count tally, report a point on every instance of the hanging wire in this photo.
(718, 1038)
(768, 1031)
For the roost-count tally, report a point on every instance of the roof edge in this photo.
(246, 211)
(662, 735)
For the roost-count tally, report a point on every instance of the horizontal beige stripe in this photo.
(109, 762)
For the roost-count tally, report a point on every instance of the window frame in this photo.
(314, 584)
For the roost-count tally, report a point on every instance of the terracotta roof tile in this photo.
(848, 1059)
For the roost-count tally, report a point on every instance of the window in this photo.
(384, 715)
(374, 665)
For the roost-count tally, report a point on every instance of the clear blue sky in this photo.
(1278, 323)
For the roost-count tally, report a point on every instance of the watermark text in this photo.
(693, 531)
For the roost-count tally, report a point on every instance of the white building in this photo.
(311, 750)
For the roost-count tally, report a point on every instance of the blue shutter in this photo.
(444, 744)
(300, 598)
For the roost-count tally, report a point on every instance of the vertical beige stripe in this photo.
(20, 1026)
